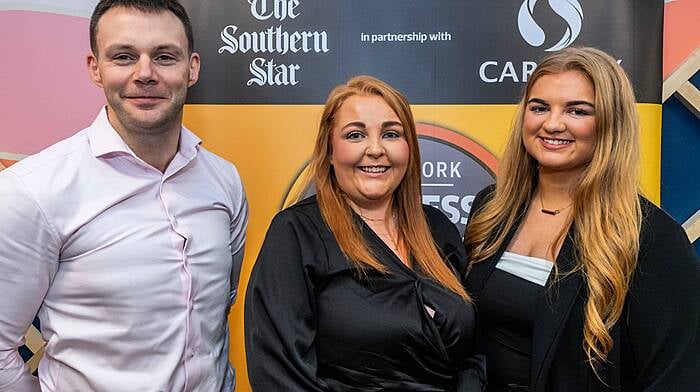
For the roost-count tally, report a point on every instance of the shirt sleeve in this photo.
(239, 224)
(280, 310)
(28, 263)
(663, 319)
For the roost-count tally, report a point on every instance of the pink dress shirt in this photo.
(131, 271)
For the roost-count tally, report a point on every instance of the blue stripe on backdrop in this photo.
(680, 160)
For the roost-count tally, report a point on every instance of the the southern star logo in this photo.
(532, 33)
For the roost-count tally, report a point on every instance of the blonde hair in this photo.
(606, 210)
(413, 230)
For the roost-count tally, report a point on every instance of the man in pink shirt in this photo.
(125, 239)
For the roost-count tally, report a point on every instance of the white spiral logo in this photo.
(569, 10)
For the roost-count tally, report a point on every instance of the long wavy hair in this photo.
(413, 230)
(606, 210)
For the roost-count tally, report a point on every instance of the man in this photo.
(127, 238)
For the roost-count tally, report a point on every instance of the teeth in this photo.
(374, 169)
(556, 141)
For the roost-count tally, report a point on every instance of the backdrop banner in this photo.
(437, 52)
(268, 66)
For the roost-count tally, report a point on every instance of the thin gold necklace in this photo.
(552, 212)
(368, 219)
(394, 242)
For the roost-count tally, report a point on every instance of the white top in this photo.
(131, 270)
(532, 269)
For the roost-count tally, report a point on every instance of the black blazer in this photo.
(657, 339)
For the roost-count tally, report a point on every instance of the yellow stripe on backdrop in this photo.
(650, 140)
(271, 144)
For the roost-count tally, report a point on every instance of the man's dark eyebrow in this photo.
(117, 47)
(166, 47)
(169, 47)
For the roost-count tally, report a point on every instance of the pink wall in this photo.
(46, 94)
(681, 32)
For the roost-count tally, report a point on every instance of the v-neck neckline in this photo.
(395, 257)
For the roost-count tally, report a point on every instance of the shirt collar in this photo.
(189, 144)
(104, 139)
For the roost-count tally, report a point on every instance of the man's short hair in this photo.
(146, 6)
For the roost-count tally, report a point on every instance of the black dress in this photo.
(656, 340)
(312, 325)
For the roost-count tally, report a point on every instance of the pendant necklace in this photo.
(552, 212)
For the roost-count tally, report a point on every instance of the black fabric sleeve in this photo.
(280, 307)
(663, 314)
(471, 372)
(472, 377)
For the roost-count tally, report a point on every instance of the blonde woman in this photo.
(581, 283)
(357, 288)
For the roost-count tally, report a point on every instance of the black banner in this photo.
(438, 51)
